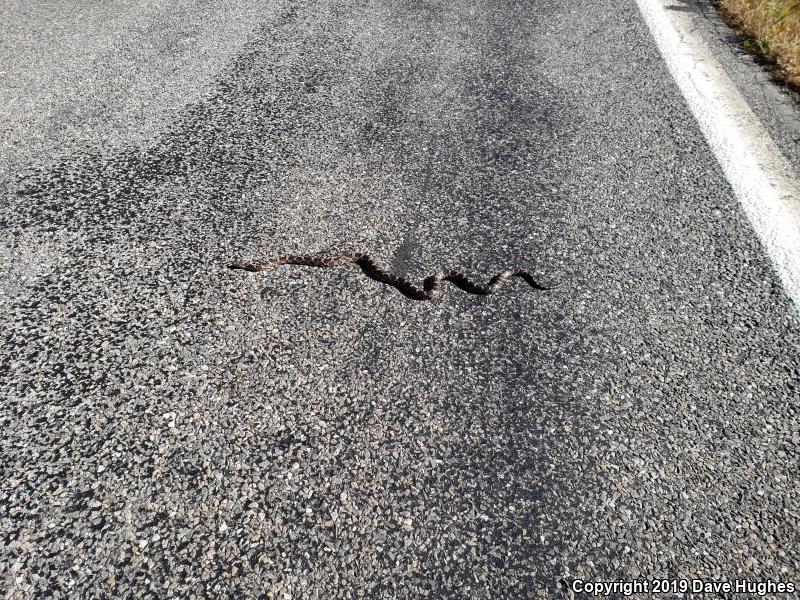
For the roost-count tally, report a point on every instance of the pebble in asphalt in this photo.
(170, 427)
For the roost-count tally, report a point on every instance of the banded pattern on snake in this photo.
(430, 288)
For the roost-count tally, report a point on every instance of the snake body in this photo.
(430, 288)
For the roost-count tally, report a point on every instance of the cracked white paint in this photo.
(761, 177)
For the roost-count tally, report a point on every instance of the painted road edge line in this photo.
(761, 177)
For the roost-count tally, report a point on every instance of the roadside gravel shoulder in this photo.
(777, 107)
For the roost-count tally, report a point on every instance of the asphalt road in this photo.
(172, 427)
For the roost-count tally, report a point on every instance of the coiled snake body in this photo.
(430, 289)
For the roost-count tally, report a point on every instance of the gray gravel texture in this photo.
(173, 428)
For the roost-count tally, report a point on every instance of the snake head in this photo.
(240, 264)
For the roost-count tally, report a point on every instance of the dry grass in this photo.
(774, 28)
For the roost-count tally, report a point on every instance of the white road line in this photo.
(761, 177)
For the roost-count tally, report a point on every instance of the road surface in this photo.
(171, 427)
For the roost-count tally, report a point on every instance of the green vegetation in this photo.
(774, 30)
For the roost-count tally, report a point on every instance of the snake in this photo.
(372, 267)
